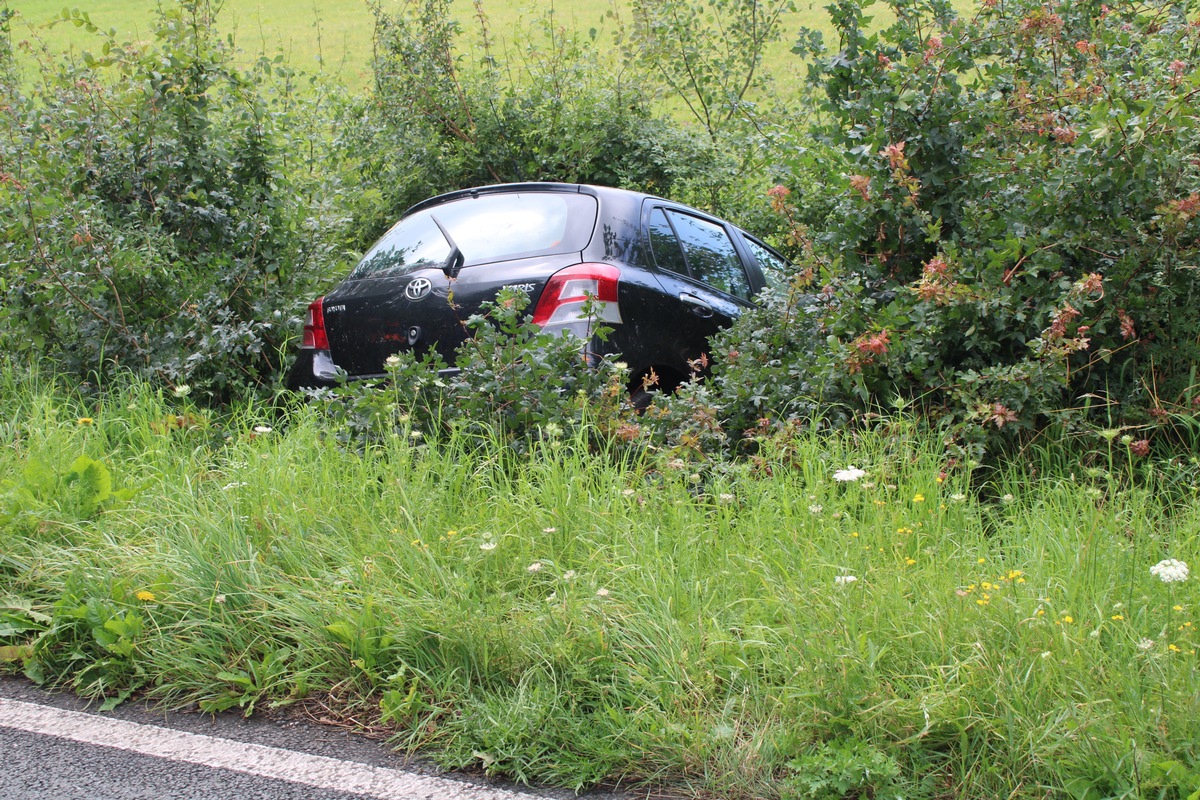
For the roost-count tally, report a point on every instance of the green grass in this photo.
(569, 618)
(339, 31)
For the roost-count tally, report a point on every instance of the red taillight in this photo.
(314, 327)
(568, 289)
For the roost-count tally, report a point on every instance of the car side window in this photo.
(665, 245)
(774, 267)
(711, 255)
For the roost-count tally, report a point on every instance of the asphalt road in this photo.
(52, 747)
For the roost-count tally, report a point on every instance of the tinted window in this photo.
(774, 267)
(665, 246)
(487, 228)
(710, 253)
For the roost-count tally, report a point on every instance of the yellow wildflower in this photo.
(145, 596)
(918, 498)
(85, 421)
(1117, 617)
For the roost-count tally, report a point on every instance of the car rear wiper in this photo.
(454, 262)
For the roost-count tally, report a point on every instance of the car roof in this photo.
(532, 186)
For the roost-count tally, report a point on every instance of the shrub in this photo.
(160, 221)
(548, 108)
(1010, 243)
(515, 383)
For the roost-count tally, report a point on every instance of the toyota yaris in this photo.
(662, 276)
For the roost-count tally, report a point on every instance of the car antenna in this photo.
(454, 262)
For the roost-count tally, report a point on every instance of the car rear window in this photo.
(494, 227)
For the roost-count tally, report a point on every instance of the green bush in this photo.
(161, 217)
(1013, 242)
(548, 108)
(515, 383)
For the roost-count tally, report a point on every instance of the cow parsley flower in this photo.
(848, 474)
(1169, 570)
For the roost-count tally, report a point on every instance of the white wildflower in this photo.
(486, 546)
(602, 592)
(848, 474)
(1170, 570)
(816, 508)
(392, 361)
(725, 499)
(844, 580)
(1008, 498)
(262, 429)
(183, 390)
(534, 567)
(234, 485)
(1145, 644)
(958, 497)
(568, 575)
(549, 530)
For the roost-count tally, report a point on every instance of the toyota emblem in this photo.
(418, 288)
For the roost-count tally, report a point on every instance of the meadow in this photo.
(336, 35)
(841, 618)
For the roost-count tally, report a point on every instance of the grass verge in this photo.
(571, 618)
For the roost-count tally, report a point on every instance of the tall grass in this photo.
(570, 618)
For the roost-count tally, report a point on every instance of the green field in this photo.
(339, 31)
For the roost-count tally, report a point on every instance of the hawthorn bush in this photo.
(450, 109)
(1014, 239)
(163, 208)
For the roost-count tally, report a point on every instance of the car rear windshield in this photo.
(495, 227)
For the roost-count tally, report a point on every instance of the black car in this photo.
(663, 276)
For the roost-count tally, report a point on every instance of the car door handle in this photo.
(699, 307)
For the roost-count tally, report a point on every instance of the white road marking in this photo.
(255, 759)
